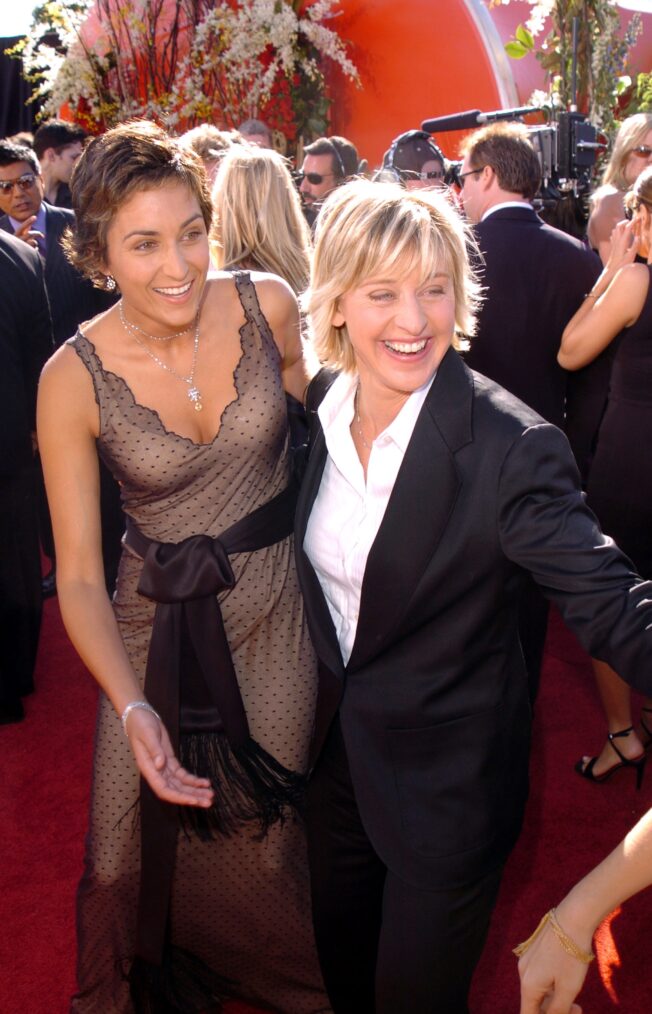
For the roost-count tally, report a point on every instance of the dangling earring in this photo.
(109, 283)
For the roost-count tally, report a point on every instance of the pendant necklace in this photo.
(193, 392)
(358, 421)
(152, 337)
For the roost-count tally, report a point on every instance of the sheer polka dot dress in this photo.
(240, 904)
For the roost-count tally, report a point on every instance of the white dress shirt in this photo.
(347, 512)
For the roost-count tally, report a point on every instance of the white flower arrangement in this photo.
(182, 63)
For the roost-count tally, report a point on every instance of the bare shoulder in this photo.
(66, 390)
(607, 200)
(277, 300)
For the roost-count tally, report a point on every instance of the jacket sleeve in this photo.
(546, 528)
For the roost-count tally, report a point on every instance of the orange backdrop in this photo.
(419, 59)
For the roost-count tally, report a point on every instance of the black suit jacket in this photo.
(535, 278)
(25, 344)
(434, 702)
(73, 299)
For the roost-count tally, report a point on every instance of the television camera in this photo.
(567, 146)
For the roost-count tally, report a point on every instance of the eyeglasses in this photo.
(314, 178)
(24, 182)
(471, 172)
(643, 150)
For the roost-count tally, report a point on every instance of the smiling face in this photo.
(400, 326)
(157, 251)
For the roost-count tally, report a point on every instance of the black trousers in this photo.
(385, 947)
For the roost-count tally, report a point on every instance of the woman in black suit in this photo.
(429, 494)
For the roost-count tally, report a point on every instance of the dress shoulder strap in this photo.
(249, 299)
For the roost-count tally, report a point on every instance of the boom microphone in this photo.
(456, 121)
(474, 118)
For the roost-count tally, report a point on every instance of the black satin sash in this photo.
(191, 682)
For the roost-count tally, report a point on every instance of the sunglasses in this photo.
(643, 150)
(24, 182)
(432, 174)
(471, 172)
(314, 178)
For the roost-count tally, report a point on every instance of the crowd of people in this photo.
(308, 501)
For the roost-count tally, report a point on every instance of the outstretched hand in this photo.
(159, 766)
(550, 978)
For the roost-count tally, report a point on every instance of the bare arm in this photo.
(615, 302)
(279, 306)
(67, 427)
(546, 970)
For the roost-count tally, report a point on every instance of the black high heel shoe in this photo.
(638, 763)
(648, 732)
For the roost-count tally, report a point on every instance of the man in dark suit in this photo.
(26, 215)
(73, 299)
(535, 278)
(25, 344)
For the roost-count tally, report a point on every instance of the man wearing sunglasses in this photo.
(73, 299)
(328, 162)
(535, 278)
(29, 217)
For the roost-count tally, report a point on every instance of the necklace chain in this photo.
(152, 337)
(358, 421)
(193, 392)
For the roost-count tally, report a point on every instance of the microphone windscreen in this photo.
(457, 121)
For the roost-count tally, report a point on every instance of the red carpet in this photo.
(45, 764)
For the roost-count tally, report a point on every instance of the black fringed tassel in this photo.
(183, 984)
(250, 786)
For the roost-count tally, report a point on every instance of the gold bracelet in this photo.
(566, 942)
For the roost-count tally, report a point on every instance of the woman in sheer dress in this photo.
(203, 652)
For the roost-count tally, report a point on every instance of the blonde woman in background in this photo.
(258, 222)
(619, 491)
(632, 153)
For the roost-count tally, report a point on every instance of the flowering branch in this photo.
(182, 62)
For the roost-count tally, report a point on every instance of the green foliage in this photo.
(602, 52)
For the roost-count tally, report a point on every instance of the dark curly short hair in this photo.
(132, 157)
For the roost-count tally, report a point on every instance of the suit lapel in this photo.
(320, 622)
(418, 510)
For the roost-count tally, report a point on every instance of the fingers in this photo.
(159, 766)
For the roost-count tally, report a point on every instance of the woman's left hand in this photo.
(159, 766)
(550, 978)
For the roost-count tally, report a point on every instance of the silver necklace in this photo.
(152, 337)
(358, 421)
(193, 392)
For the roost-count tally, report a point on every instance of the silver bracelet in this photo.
(132, 707)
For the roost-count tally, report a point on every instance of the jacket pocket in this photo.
(447, 777)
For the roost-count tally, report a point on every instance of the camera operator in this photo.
(535, 278)
(414, 161)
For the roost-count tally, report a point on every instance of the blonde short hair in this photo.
(258, 221)
(364, 227)
(631, 133)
